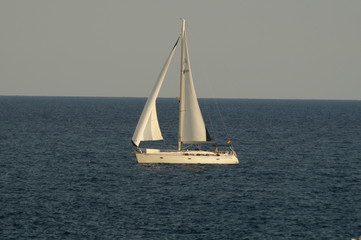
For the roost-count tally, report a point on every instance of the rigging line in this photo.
(207, 108)
(206, 101)
(218, 109)
(222, 119)
(219, 113)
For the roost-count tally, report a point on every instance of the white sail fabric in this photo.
(148, 126)
(192, 127)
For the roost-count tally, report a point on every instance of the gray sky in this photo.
(304, 49)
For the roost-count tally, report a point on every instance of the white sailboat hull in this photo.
(186, 157)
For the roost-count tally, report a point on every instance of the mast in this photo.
(192, 128)
(181, 94)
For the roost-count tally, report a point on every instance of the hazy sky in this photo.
(304, 49)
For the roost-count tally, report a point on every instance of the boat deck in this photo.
(186, 156)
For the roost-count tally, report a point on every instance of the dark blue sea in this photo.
(67, 172)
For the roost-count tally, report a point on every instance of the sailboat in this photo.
(192, 132)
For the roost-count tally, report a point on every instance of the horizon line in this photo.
(230, 98)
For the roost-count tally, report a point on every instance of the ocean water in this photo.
(67, 172)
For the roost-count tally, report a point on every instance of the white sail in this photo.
(191, 123)
(148, 126)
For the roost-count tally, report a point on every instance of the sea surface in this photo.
(67, 172)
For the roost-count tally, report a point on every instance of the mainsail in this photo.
(191, 124)
(148, 126)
